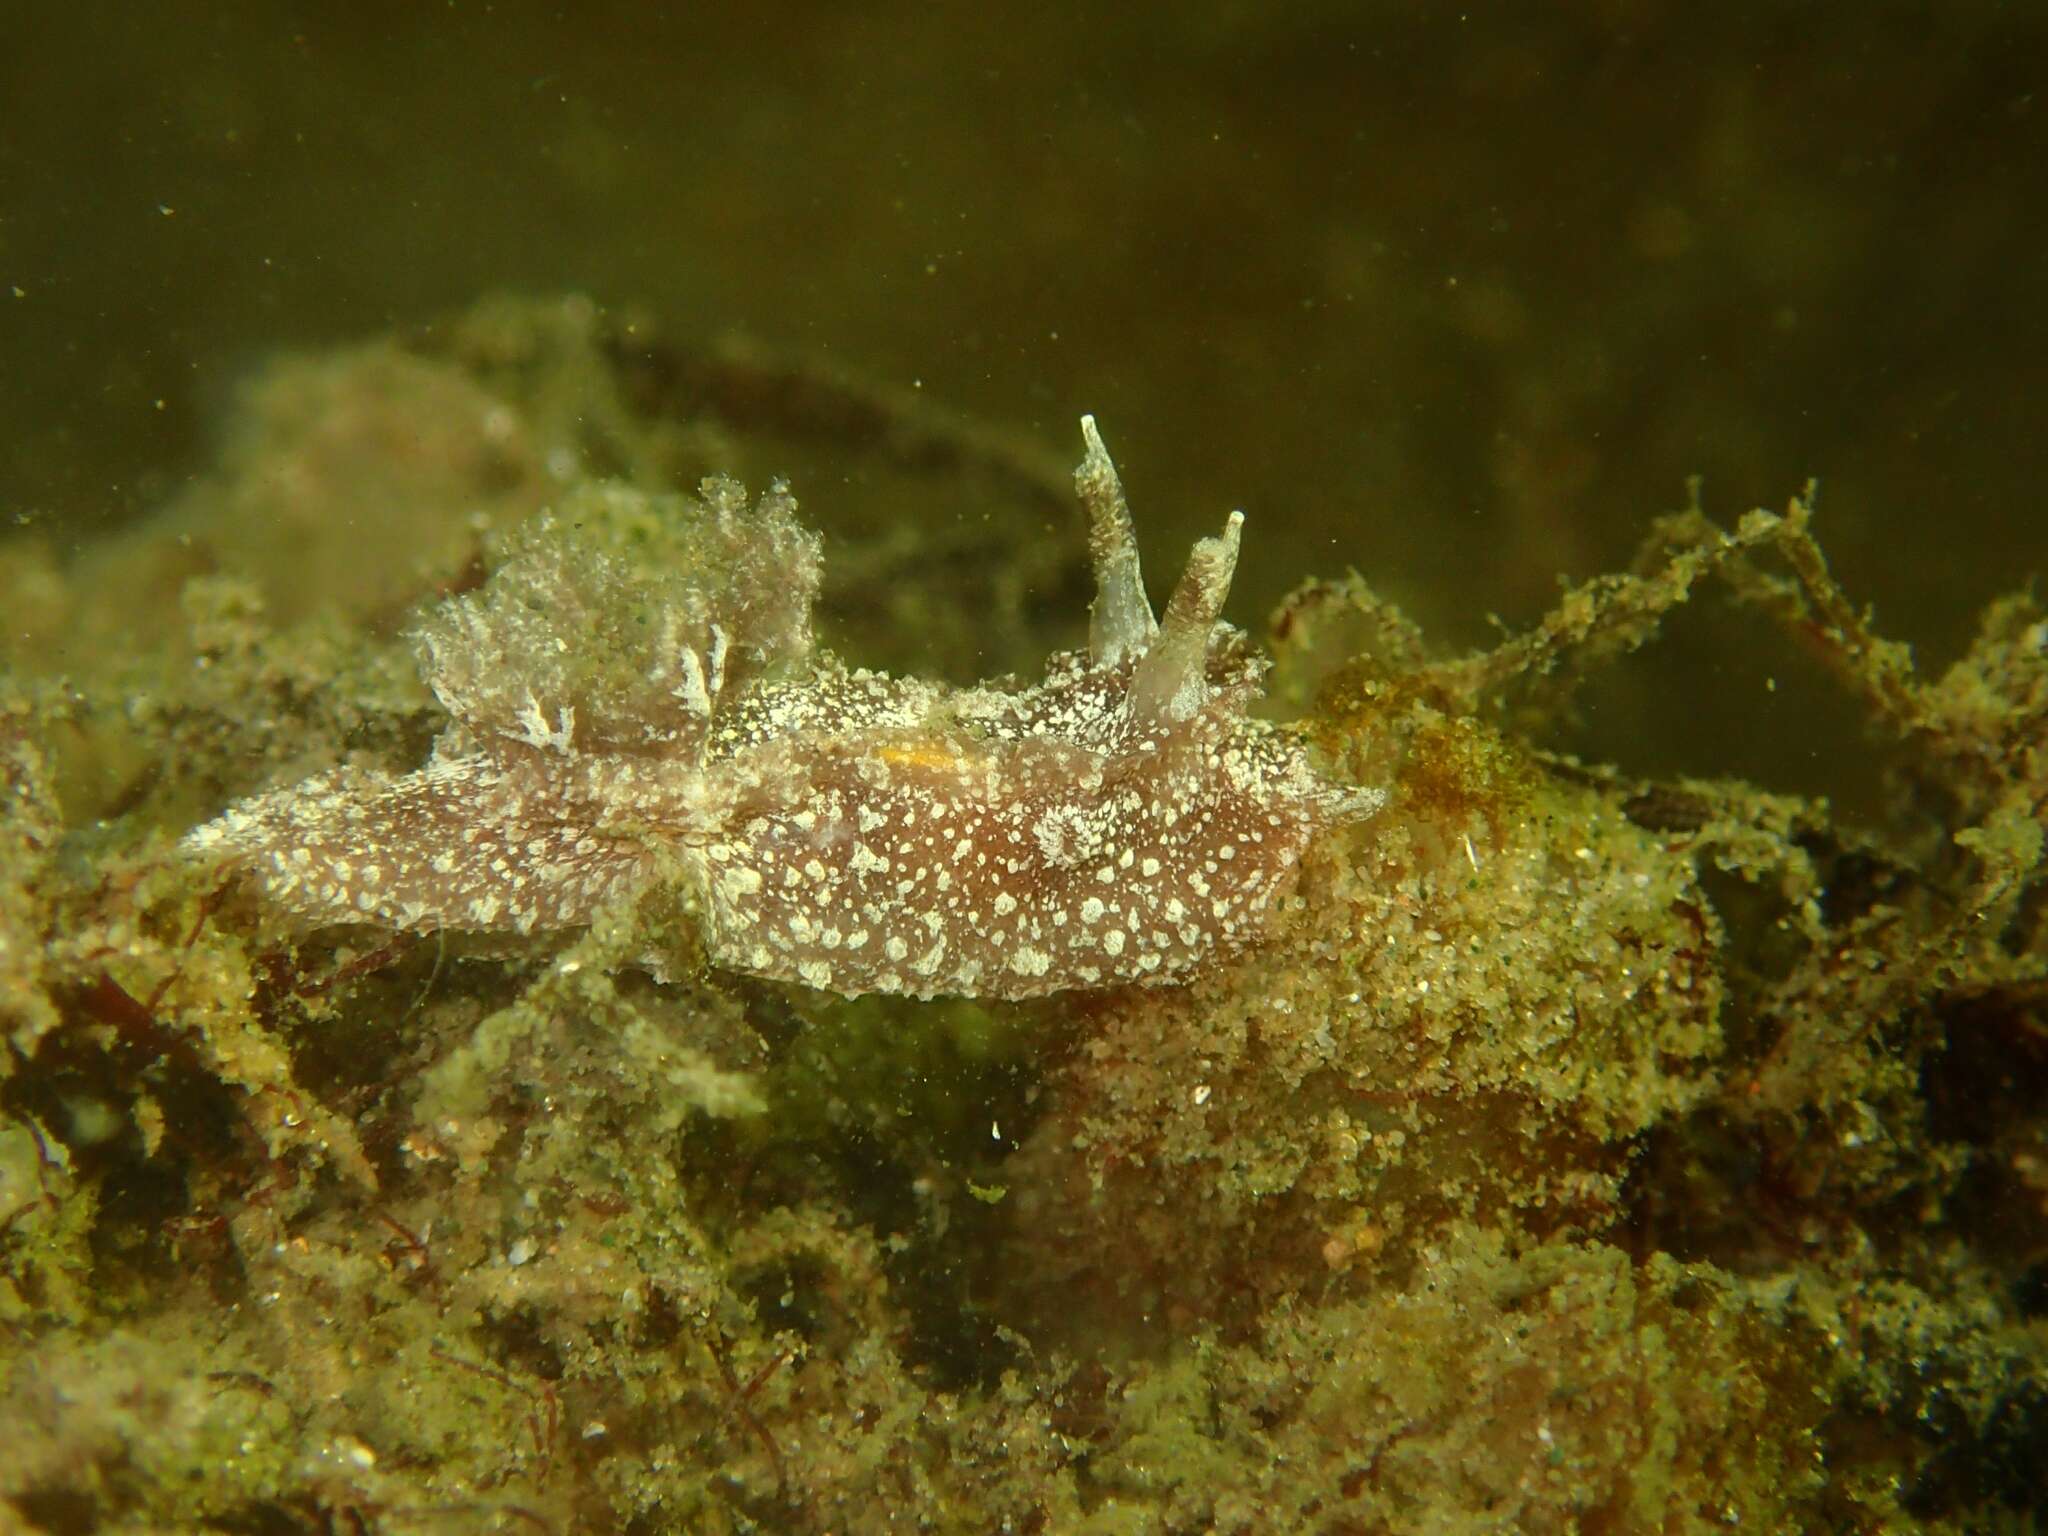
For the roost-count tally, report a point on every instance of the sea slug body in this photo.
(1123, 821)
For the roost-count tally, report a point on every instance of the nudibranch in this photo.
(615, 719)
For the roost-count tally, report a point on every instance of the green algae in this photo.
(1581, 1152)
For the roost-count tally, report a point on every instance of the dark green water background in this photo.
(1459, 297)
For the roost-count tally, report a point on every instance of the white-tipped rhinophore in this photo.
(1171, 682)
(1120, 625)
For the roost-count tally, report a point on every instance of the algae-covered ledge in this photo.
(1559, 1150)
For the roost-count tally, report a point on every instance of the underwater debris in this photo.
(1122, 821)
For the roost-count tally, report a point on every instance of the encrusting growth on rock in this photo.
(643, 697)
